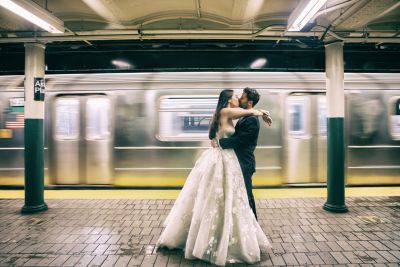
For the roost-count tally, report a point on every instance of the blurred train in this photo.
(148, 129)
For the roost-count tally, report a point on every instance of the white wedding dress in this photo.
(211, 218)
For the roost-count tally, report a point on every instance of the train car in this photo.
(148, 129)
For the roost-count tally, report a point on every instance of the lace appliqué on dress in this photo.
(211, 218)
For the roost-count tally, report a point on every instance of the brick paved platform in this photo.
(123, 232)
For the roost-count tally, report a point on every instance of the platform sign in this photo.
(38, 89)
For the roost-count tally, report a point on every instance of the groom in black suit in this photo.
(244, 140)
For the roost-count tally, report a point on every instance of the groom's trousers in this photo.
(249, 188)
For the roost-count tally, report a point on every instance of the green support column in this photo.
(335, 113)
(34, 137)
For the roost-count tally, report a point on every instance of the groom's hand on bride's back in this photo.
(214, 143)
(267, 118)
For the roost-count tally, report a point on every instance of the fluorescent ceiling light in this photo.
(302, 14)
(122, 64)
(258, 63)
(35, 14)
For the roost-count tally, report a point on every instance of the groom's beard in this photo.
(242, 105)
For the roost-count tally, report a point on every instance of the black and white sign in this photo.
(38, 89)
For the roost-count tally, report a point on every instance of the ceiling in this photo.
(355, 21)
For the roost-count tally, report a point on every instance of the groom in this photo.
(244, 140)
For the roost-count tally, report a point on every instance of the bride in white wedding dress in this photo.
(211, 218)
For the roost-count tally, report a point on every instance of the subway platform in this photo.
(121, 227)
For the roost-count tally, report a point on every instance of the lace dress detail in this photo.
(211, 218)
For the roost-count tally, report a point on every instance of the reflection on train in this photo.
(148, 129)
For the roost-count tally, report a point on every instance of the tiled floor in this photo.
(123, 232)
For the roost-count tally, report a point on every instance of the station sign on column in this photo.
(38, 92)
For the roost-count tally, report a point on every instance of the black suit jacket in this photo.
(244, 142)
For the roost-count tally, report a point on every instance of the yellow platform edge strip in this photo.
(173, 194)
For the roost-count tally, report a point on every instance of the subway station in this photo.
(200, 133)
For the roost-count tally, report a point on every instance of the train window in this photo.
(97, 118)
(67, 119)
(185, 118)
(394, 113)
(297, 115)
(322, 115)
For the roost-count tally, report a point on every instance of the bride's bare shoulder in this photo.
(236, 113)
(231, 111)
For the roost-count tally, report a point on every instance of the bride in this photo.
(211, 218)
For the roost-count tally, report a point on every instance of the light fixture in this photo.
(35, 14)
(122, 64)
(303, 13)
(258, 63)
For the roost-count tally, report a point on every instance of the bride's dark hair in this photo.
(223, 99)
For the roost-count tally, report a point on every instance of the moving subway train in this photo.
(148, 129)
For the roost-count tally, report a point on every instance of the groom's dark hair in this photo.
(252, 95)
